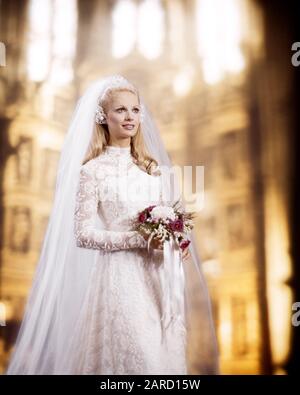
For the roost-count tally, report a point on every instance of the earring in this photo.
(100, 116)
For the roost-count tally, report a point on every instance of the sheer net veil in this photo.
(64, 270)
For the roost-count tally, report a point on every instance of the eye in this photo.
(119, 110)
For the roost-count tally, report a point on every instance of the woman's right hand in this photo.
(156, 244)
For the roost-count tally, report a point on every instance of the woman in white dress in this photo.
(99, 294)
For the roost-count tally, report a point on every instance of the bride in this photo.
(101, 301)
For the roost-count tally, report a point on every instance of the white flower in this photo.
(163, 212)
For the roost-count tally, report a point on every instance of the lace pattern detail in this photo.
(118, 330)
(86, 234)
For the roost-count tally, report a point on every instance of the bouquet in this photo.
(164, 222)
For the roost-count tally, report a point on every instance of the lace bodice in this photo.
(112, 189)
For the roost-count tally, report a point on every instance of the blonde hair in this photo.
(100, 139)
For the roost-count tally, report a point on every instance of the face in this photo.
(123, 115)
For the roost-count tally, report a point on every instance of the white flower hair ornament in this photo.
(100, 116)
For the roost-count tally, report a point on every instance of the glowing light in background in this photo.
(212, 267)
(219, 34)
(150, 32)
(5, 312)
(124, 19)
(184, 80)
(176, 32)
(225, 333)
(133, 27)
(2, 314)
(279, 271)
(48, 139)
(52, 40)
(64, 41)
(38, 53)
(2, 54)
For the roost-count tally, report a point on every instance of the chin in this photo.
(129, 133)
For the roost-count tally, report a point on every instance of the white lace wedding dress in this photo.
(119, 330)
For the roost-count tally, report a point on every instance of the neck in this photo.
(124, 143)
(117, 152)
(119, 146)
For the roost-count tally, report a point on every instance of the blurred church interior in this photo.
(219, 80)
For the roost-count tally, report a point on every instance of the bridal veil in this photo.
(64, 270)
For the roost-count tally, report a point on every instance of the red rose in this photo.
(142, 217)
(176, 225)
(184, 244)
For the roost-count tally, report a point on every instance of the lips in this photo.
(128, 126)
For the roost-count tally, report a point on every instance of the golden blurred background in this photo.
(218, 77)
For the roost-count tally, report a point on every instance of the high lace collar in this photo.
(121, 153)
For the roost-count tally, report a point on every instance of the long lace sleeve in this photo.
(86, 234)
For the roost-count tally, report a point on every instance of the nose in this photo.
(128, 116)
